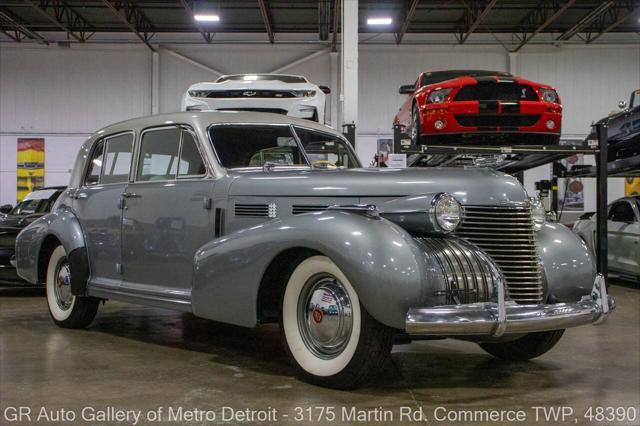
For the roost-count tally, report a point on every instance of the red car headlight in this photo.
(549, 95)
(438, 96)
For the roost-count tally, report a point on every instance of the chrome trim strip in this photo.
(496, 319)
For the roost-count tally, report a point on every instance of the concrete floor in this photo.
(139, 358)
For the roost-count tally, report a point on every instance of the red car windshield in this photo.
(440, 76)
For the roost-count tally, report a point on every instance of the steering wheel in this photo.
(324, 164)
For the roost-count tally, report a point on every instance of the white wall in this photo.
(64, 94)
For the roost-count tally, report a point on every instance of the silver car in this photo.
(249, 218)
(623, 223)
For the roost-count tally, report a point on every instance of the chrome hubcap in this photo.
(324, 316)
(62, 287)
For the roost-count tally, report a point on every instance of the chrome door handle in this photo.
(130, 195)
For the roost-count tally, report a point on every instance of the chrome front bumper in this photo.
(495, 319)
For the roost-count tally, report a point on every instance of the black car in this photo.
(624, 129)
(14, 218)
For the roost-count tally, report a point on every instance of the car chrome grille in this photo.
(507, 234)
(470, 276)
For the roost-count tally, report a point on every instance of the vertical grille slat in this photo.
(507, 235)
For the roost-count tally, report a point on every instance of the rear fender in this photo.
(383, 263)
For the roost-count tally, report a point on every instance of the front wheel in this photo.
(330, 337)
(529, 346)
(416, 126)
(66, 310)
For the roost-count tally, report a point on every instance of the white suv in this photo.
(291, 95)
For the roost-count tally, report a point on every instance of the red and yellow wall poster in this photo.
(30, 165)
(631, 186)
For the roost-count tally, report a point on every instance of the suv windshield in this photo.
(439, 76)
(239, 146)
(263, 77)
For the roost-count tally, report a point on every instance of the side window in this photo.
(95, 165)
(159, 155)
(621, 212)
(117, 159)
(191, 163)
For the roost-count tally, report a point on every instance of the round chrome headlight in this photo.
(447, 212)
(538, 213)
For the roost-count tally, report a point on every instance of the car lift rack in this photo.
(523, 157)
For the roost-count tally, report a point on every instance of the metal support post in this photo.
(602, 162)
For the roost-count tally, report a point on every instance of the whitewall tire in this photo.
(66, 310)
(328, 334)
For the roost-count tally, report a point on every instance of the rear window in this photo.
(263, 77)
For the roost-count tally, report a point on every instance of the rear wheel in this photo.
(66, 310)
(330, 337)
(529, 346)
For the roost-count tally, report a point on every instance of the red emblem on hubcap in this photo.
(317, 315)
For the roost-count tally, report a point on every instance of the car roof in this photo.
(203, 119)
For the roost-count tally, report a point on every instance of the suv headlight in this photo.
(198, 93)
(538, 213)
(549, 95)
(303, 93)
(438, 96)
(447, 212)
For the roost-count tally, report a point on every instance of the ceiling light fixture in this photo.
(201, 17)
(379, 21)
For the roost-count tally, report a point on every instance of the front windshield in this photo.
(240, 146)
(263, 77)
(36, 202)
(255, 146)
(440, 76)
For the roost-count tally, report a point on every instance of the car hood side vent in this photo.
(301, 208)
(253, 210)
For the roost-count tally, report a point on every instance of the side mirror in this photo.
(407, 89)
(325, 89)
(6, 208)
(622, 105)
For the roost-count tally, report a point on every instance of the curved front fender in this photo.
(388, 271)
(567, 261)
(62, 224)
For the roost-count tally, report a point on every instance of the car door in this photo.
(97, 206)
(167, 214)
(623, 238)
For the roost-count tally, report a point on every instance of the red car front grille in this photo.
(496, 92)
(497, 120)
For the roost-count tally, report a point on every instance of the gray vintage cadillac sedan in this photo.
(250, 218)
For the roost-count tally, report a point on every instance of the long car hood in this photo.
(470, 186)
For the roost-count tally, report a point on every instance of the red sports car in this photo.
(470, 106)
